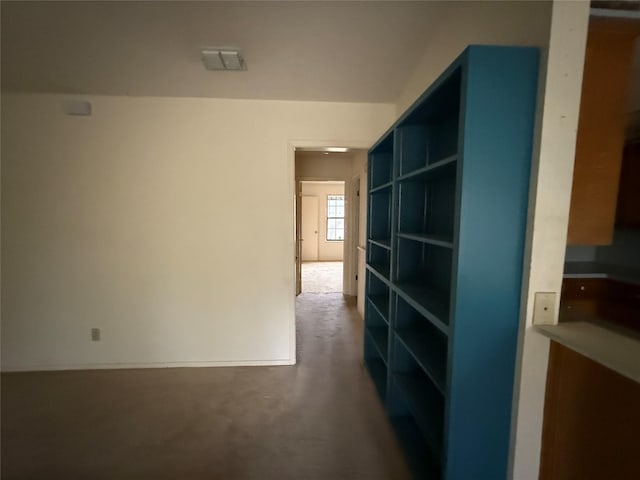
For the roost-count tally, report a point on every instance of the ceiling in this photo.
(323, 51)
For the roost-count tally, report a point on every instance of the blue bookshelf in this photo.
(447, 205)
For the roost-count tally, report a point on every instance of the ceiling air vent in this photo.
(223, 59)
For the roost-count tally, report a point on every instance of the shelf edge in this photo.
(380, 244)
(380, 188)
(428, 371)
(384, 358)
(384, 317)
(378, 274)
(425, 239)
(434, 167)
(433, 318)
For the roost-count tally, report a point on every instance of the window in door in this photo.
(335, 217)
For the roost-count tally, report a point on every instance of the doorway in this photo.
(322, 236)
(309, 220)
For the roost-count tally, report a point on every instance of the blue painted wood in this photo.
(499, 91)
(446, 225)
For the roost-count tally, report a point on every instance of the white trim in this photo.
(118, 366)
(549, 199)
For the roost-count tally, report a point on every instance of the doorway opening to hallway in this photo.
(322, 236)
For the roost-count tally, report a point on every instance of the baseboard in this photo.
(119, 366)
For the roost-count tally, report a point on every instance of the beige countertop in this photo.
(614, 347)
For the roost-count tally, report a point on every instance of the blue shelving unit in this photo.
(448, 194)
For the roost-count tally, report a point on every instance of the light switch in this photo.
(544, 308)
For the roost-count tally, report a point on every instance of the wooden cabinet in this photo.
(591, 421)
(628, 213)
(601, 130)
(448, 195)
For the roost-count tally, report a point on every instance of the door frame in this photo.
(293, 243)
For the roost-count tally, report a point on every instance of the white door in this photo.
(309, 229)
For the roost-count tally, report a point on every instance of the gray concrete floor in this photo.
(319, 419)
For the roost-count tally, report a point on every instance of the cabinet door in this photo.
(591, 419)
(600, 138)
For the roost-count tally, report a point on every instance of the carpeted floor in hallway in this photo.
(322, 277)
(317, 420)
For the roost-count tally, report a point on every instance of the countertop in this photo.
(614, 347)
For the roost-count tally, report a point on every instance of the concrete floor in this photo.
(321, 277)
(319, 419)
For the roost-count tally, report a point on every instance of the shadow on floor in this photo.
(319, 419)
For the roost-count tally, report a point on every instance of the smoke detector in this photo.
(223, 59)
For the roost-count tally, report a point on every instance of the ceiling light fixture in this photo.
(223, 59)
(337, 149)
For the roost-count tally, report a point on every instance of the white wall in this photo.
(549, 201)
(140, 220)
(328, 251)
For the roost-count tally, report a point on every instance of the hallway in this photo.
(318, 420)
(322, 277)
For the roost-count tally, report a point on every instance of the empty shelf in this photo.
(431, 304)
(430, 355)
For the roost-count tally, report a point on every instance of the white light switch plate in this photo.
(544, 308)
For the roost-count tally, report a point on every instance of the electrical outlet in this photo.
(95, 334)
(544, 308)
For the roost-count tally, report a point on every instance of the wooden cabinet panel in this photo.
(591, 421)
(600, 137)
(606, 299)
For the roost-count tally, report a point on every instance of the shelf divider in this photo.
(379, 271)
(431, 169)
(381, 303)
(429, 357)
(438, 240)
(384, 242)
(380, 338)
(431, 304)
(380, 188)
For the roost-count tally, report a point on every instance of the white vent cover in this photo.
(223, 59)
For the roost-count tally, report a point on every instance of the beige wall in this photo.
(321, 166)
(471, 22)
(141, 220)
(328, 251)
